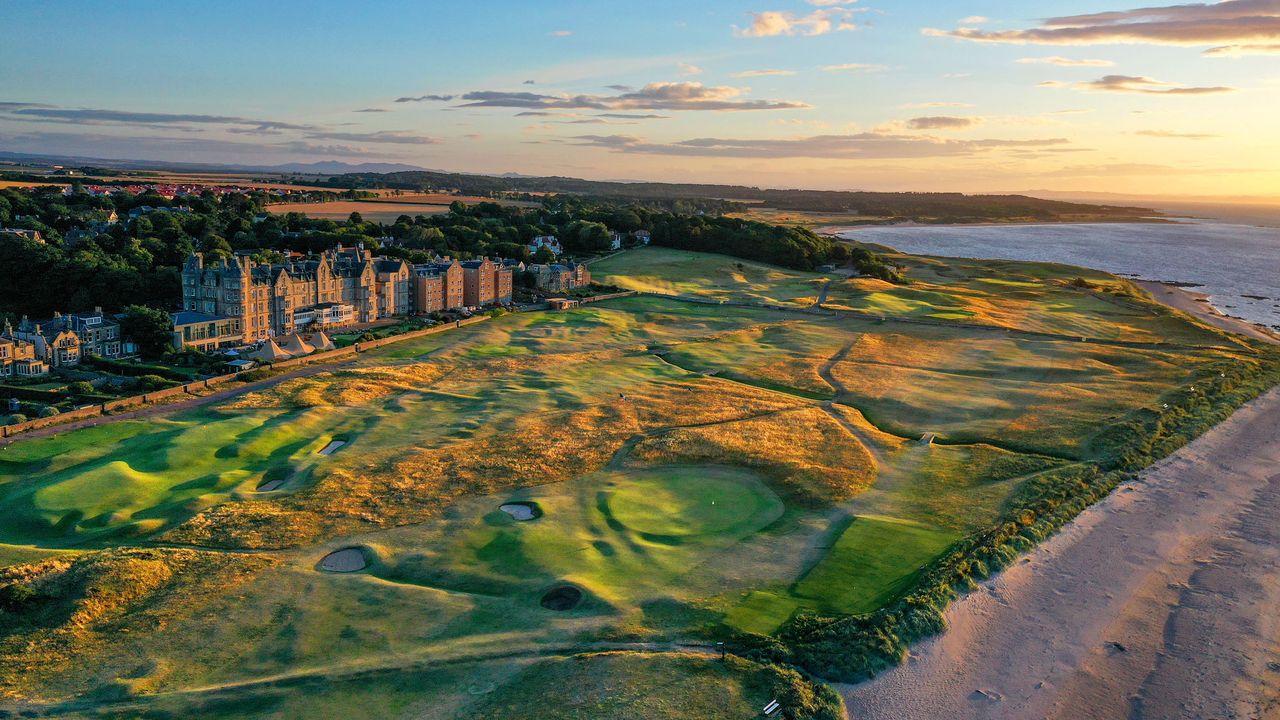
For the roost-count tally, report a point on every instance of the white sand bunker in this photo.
(332, 447)
(270, 485)
(522, 512)
(348, 560)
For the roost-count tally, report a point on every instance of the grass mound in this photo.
(685, 502)
(807, 454)
(613, 686)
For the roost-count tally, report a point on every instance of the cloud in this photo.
(371, 110)
(10, 106)
(689, 69)
(858, 146)
(772, 23)
(1240, 50)
(654, 96)
(1064, 62)
(395, 137)
(630, 116)
(91, 116)
(426, 98)
(1226, 22)
(852, 66)
(942, 122)
(1146, 86)
(1175, 135)
(560, 33)
(176, 148)
(761, 73)
(926, 105)
(975, 20)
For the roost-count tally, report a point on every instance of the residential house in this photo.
(428, 289)
(452, 274)
(18, 357)
(100, 335)
(561, 277)
(550, 242)
(55, 342)
(205, 332)
(26, 234)
(393, 282)
(477, 282)
(502, 282)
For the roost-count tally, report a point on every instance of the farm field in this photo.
(386, 208)
(373, 210)
(591, 498)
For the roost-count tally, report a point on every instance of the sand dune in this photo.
(1158, 602)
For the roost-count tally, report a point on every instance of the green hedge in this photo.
(130, 369)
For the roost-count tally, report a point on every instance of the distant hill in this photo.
(334, 167)
(324, 167)
(922, 207)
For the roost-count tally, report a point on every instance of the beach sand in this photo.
(1197, 304)
(1159, 602)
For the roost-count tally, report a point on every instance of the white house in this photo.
(549, 242)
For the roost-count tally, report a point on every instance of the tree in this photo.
(544, 256)
(80, 388)
(150, 328)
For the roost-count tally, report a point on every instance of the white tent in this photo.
(322, 341)
(296, 346)
(269, 352)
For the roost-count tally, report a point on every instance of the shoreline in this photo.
(838, 229)
(1174, 294)
(1200, 306)
(1174, 622)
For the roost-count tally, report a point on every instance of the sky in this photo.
(971, 96)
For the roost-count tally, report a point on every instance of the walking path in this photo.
(1158, 602)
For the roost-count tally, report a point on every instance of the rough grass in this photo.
(1037, 297)
(627, 685)
(809, 456)
(633, 460)
(60, 611)
(680, 272)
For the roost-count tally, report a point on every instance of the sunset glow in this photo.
(1072, 95)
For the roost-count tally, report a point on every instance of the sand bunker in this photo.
(522, 511)
(274, 479)
(563, 598)
(332, 447)
(347, 560)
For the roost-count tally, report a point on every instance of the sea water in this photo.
(1238, 266)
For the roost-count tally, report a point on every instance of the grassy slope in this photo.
(623, 451)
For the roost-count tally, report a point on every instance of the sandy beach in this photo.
(1158, 602)
(1197, 304)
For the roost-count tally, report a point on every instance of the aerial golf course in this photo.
(466, 524)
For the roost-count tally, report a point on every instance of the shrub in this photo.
(153, 382)
(17, 597)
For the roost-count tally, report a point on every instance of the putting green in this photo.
(685, 501)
